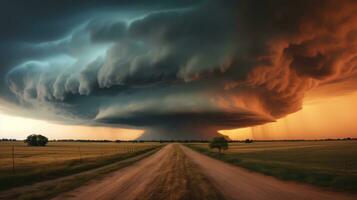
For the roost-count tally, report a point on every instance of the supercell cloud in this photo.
(177, 70)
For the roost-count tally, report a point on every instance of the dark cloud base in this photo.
(187, 125)
(179, 69)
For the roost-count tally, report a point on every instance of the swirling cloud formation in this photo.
(180, 70)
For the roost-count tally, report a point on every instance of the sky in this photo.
(178, 69)
(320, 119)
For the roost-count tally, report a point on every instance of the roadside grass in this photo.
(35, 164)
(51, 188)
(330, 164)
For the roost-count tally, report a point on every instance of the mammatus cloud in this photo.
(182, 73)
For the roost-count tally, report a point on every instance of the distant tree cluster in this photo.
(220, 143)
(73, 140)
(36, 140)
(7, 140)
(248, 141)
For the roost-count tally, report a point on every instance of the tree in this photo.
(219, 142)
(248, 141)
(36, 140)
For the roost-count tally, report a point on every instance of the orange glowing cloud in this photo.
(313, 57)
(250, 64)
(322, 48)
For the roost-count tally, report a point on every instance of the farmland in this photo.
(178, 172)
(331, 164)
(58, 159)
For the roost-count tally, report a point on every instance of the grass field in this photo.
(57, 159)
(331, 164)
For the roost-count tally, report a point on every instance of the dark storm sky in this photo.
(176, 68)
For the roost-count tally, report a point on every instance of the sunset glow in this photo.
(178, 99)
(318, 119)
(20, 128)
(263, 70)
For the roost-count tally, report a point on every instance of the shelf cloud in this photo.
(180, 69)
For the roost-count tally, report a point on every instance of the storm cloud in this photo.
(178, 70)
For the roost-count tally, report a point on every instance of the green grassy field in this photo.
(58, 159)
(331, 164)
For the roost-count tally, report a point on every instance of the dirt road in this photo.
(165, 175)
(177, 172)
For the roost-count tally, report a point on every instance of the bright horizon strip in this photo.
(19, 128)
(323, 118)
(329, 117)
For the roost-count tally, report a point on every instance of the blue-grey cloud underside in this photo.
(178, 70)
